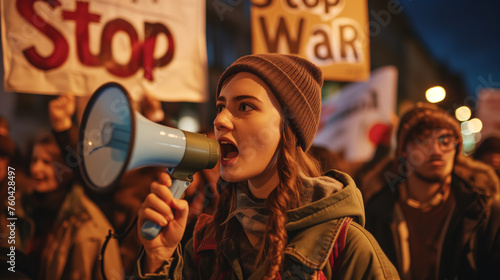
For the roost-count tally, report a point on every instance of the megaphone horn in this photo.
(114, 139)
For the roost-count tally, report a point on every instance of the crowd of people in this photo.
(275, 206)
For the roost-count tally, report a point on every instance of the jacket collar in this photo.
(469, 201)
(311, 236)
(73, 206)
(471, 208)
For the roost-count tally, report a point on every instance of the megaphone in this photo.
(114, 139)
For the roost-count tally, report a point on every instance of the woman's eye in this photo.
(219, 108)
(246, 107)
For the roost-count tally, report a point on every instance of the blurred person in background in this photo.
(134, 186)
(435, 216)
(11, 151)
(328, 160)
(4, 126)
(121, 205)
(69, 228)
(11, 193)
(488, 152)
(7, 152)
(382, 152)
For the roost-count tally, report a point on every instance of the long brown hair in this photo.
(292, 162)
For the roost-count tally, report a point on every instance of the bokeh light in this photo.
(463, 113)
(469, 143)
(188, 121)
(467, 128)
(477, 125)
(471, 135)
(435, 94)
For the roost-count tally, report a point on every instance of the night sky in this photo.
(465, 35)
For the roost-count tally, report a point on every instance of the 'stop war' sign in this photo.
(331, 33)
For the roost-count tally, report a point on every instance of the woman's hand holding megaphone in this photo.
(162, 208)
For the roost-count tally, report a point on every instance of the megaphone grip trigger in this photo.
(178, 188)
(149, 229)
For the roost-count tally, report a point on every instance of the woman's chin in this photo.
(228, 178)
(229, 175)
(43, 188)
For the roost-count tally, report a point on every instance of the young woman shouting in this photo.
(277, 216)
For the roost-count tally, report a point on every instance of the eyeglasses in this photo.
(446, 142)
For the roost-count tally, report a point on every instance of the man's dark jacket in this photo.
(471, 248)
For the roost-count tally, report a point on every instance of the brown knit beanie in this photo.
(295, 82)
(425, 116)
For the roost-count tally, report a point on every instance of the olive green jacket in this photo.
(73, 252)
(316, 232)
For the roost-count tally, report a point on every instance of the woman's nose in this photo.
(223, 120)
(35, 166)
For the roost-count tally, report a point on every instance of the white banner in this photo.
(359, 118)
(61, 46)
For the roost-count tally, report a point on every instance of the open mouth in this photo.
(40, 182)
(39, 179)
(228, 151)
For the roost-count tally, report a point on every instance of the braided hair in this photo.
(292, 162)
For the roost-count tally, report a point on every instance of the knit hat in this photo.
(422, 117)
(295, 82)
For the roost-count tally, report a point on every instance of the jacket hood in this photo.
(479, 174)
(327, 198)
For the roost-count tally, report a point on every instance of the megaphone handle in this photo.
(149, 229)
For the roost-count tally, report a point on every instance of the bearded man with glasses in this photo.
(431, 222)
